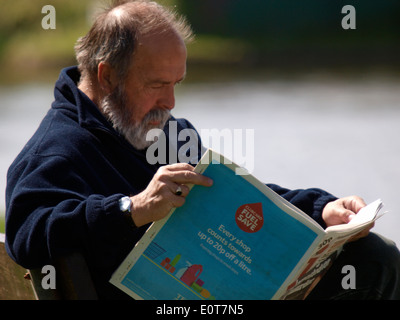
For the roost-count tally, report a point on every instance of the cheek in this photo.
(140, 105)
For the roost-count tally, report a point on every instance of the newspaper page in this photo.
(230, 241)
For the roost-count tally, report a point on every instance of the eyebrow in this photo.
(165, 82)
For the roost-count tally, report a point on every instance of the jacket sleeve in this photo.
(50, 211)
(311, 201)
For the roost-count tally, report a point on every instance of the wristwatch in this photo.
(125, 205)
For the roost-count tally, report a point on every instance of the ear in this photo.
(106, 77)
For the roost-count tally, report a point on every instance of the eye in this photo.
(156, 87)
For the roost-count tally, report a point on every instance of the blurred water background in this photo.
(324, 102)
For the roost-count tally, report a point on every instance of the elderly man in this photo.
(83, 183)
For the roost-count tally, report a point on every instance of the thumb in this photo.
(347, 215)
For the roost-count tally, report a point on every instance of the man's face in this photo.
(144, 100)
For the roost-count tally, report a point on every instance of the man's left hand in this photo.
(342, 210)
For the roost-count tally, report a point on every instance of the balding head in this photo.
(117, 32)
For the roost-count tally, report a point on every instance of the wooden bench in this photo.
(73, 281)
(13, 286)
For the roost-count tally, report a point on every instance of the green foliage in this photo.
(25, 47)
(27, 51)
(20, 23)
(245, 31)
(2, 223)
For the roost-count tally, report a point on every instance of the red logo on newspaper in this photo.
(249, 217)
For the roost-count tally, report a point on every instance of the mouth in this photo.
(157, 118)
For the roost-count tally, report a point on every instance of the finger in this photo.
(178, 201)
(354, 203)
(183, 173)
(346, 215)
(190, 177)
(179, 166)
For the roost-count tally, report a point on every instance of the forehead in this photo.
(161, 54)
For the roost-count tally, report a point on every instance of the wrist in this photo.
(139, 211)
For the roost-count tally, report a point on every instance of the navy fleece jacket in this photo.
(63, 189)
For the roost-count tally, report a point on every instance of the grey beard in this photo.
(116, 110)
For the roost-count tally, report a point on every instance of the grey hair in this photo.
(116, 31)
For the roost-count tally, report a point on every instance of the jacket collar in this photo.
(68, 96)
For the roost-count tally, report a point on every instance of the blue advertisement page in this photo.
(228, 241)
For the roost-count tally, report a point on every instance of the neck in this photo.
(89, 88)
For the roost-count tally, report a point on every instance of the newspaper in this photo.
(235, 240)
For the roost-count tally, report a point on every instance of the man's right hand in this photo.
(156, 201)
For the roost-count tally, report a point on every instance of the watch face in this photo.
(125, 204)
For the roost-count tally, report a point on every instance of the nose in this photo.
(167, 100)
